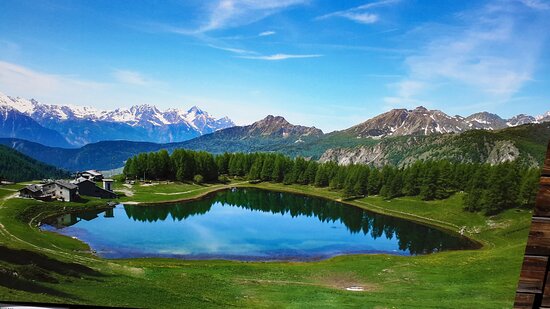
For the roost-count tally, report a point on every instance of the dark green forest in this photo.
(488, 188)
(15, 166)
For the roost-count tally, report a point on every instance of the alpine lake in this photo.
(250, 224)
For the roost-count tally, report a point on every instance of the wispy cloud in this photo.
(16, 79)
(267, 33)
(406, 91)
(276, 57)
(131, 77)
(232, 49)
(234, 13)
(360, 14)
(536, 4)
(224, 14)
(481, 54)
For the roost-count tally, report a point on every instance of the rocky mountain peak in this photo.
(272, 120)
(82, 125)
(420, 109)
(195, 110)
(277, 126)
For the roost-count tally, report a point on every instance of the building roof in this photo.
(67, 185)
(80, 180)
(33, 188)
(93, 173)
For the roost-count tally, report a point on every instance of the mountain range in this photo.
(52, 134)
(75, 126)
(526, 143)
(421, 121)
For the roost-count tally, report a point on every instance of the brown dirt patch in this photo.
(346, 281)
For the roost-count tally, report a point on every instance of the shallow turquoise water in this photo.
(250, 224)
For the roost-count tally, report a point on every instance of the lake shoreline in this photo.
(126, 282)
(289, 189)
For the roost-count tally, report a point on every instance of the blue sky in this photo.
(330, 64)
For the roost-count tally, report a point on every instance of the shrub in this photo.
(223, 179)
(198, 179)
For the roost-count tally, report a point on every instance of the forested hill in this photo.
(15, 166)
(525, 143)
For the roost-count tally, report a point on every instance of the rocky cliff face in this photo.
(404, 151)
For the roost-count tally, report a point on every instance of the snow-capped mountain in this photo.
(421, 121)
(16, 124)
(82, 125)
(544, 117)
(485, 120)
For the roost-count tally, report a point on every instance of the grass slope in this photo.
(484, 278)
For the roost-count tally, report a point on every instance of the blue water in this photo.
(250, 224)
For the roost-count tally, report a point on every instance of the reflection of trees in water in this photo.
(412, 237)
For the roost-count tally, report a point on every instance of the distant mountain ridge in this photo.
(526, 143)
(422, 121)
(18, 125)
(82, 125)
(272, 132)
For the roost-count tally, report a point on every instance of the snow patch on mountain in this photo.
(138, 115)
(421, 121)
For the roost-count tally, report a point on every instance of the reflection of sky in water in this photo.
(226, 232)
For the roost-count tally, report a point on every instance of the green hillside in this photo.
(526, 144)
(15, 166)
(476, 146)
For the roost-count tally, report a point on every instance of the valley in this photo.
(385, 280)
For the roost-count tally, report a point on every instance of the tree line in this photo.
(487, 188)
(16, 167)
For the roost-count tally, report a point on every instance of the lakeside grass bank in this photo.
(484, 278)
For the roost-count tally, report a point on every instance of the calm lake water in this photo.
(250, 224)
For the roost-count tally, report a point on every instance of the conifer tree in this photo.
(429, 185)
(267, 168)
(373, 183)
(529, 188)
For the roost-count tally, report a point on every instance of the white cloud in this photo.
(493, 53)
(234, 13)
(406, 91)
(362, 18)
(360, 14)
(267, 33)
(18, 80)
(280, 57)
(131, 77)
(223, 14)
(233, 50)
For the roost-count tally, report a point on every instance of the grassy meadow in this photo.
(60, 269)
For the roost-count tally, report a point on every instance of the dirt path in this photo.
(7, 197)
(7, 189)
(184, 192)
(126, 192)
